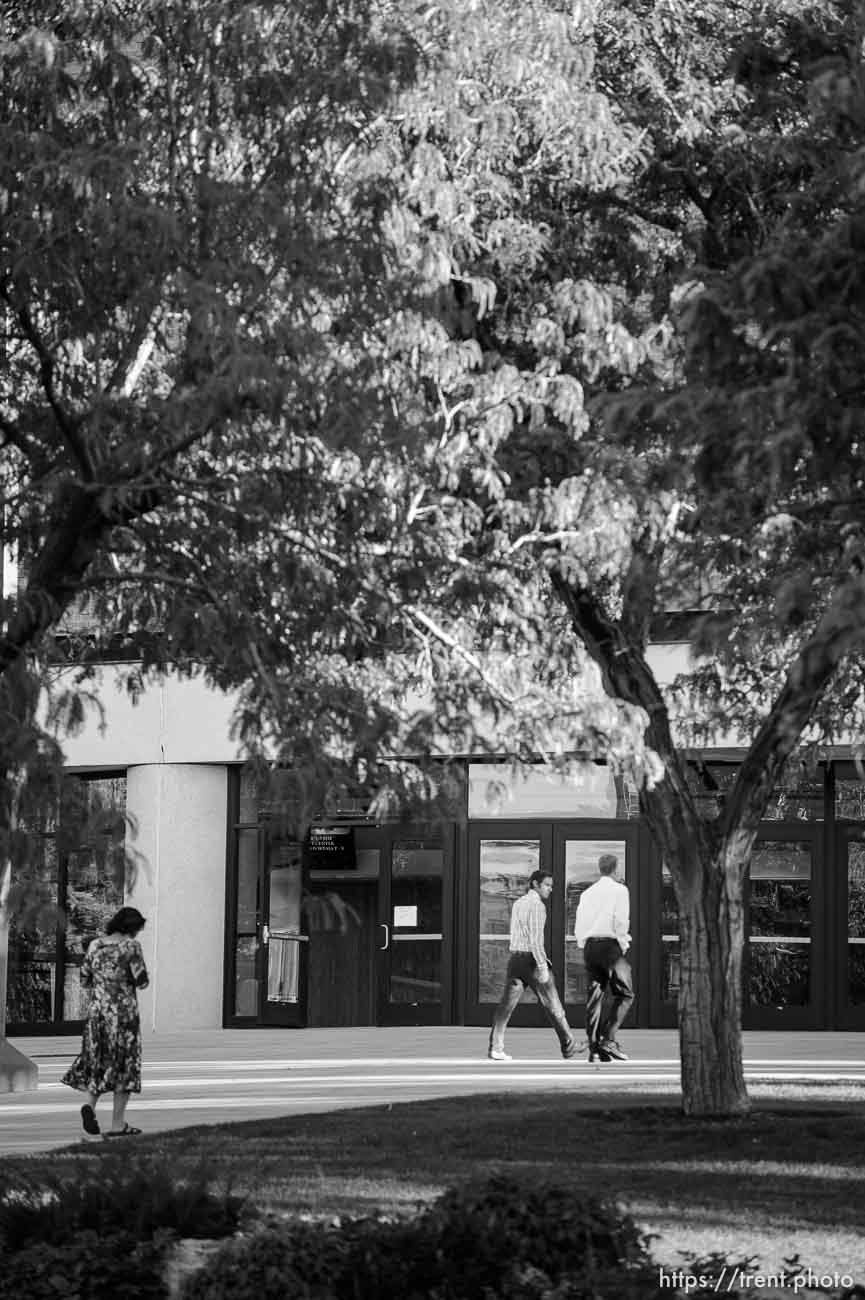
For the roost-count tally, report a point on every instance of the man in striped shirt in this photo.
(528, 965)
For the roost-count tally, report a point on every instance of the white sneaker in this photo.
(498, 1054)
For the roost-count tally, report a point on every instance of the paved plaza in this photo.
(217, 1076)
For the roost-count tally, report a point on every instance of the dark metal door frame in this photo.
(289, 1015)
(389, 1012)
(476, 1012)
(846, 1015)
(599, 832)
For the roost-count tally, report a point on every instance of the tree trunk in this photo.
(5, 884)
(711, 927)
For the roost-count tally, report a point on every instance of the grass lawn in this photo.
(786, 1180)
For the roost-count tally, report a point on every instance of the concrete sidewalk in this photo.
(446, 1042)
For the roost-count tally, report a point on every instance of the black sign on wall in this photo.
(330, 848)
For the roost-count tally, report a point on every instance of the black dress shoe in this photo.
(614, 1052)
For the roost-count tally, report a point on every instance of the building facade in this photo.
(392, 924)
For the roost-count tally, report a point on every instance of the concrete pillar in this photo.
(180, 812)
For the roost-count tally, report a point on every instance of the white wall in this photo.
(186, 721)
(174, 721)
(181, 814)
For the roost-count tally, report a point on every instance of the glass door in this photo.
(282, 945)
(577, 850)
(666, 957)
(414, 949)
(781, 956)
(502, 857)
(850, 927)
(780, 962)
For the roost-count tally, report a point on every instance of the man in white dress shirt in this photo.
(529, 966)
(601, 930)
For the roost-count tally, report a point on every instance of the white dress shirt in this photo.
(604, 912)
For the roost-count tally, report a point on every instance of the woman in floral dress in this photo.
(110, 1058)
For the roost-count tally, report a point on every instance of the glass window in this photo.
(284, 912)
(285, 888)
(670, 951)
(799, 796)
(778, 935)
(850, 793)
(249, 798)
(247, 881)
(779, 953)
(856, 924)
(75, 998)
(94, 892)
(246, 976)
(505, 868)
(75, 881)
(590, 791)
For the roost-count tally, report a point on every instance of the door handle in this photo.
(386, 944)
(265, 935)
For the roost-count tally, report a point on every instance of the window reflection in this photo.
(505, 868)
(94, 892)
(76, 880)
(779, 955)
(284, 910)
(856, 924)
(850, 798)
(778, 933)
(537, 790)
(245, 976)
(798, 796)
(670, 949)
(581, 871)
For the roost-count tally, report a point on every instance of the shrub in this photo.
(89, 1267)
(501, 1227)
(275, 1264)
(497, 1241)
(138, 1197)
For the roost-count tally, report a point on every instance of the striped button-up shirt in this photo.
(528, 918)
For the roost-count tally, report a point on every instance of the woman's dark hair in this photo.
(127, 921)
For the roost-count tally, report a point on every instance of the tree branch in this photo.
(638, 591)
(58, 571)
(840, 630)
(626, 675)
(435, 630)
(68, 425)
(609, 199)
(134, 358)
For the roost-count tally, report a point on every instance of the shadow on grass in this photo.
(789, 1167)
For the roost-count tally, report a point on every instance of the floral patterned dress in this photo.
(110, 1057)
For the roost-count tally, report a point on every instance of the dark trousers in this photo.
(522, 974)
(611, 989)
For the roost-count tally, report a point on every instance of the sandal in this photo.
(89, 1120)
(126, 1131)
